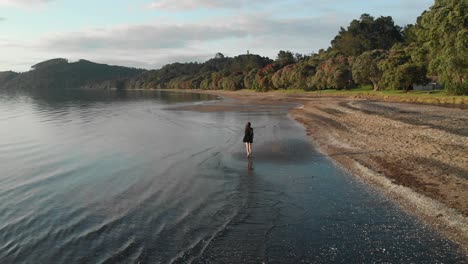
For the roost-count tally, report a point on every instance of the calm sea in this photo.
(123, 177)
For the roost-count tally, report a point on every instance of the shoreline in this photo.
(419, 188)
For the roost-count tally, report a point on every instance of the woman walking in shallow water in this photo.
(248, 139)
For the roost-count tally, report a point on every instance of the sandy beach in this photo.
(415, 154)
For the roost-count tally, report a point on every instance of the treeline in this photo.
(61, 74)
(370, 51)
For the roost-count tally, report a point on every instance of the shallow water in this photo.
(119, 177)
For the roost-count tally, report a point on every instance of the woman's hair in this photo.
(247, 126)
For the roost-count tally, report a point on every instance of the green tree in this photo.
(7, 76)
(409, 34)
(219, 55)
(399, 71)
(285, 57)
(443, 31)
(367, 34)
(61, 74)
(365, 68)
(409, 74)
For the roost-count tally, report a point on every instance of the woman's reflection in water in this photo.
(250, 167)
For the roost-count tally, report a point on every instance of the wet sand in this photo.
(415, 154)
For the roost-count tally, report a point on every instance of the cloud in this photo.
(155, 62)
(264, 27)
(154, 45)
(22, 2)
(256, 30)
(193, 4)
(141, 37)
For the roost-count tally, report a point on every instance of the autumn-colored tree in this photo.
(234, 81)
(334, 73)
(263, 77)
(249, 79)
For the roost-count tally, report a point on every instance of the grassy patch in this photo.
(428, 97)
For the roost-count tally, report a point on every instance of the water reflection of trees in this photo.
(59, 98)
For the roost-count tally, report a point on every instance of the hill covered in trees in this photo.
(218, 73)
(369, 51)
(61, 74)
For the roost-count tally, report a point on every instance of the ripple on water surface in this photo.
(118, 177)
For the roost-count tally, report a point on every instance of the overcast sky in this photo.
(151, 33)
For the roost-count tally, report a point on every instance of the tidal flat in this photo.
(142, 176)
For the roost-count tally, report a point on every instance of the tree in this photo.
(249, 79)
(365, 68)
(61, 74)
(443, 31)
(367, 34)
(342, 78)
(285, 57)
(409, 34)
(294, 76)
(400, 71)
(334, 73)
(409, 74)
(50, 63)
(7, 76)
(263, 77)
(219, 55)
(234, 81)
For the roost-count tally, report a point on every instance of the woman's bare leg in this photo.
(250, 149)
(247, 149)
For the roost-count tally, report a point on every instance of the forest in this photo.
(62, 74)
(369, 51)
